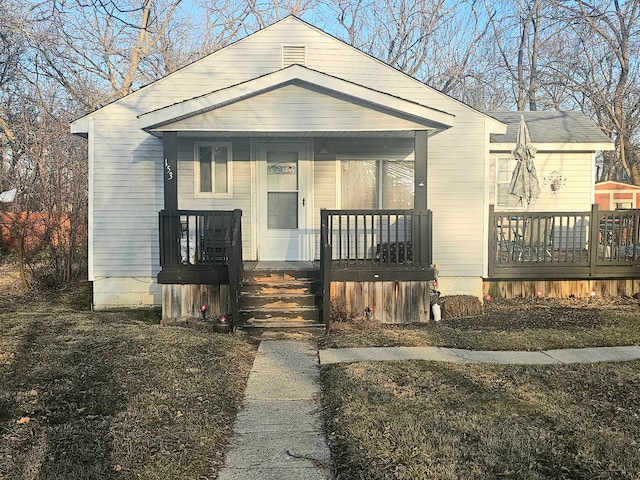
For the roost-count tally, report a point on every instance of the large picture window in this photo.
(504, 170)
(213, 169)
(368, 183)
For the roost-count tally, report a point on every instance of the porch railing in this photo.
(542, 245)
(374, 245)
(199, 246)
(375, 238)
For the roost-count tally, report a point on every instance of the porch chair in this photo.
(538, 238)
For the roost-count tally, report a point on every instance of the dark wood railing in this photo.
(374, 245)
(375, 238)
(546, 245)
(202, 247)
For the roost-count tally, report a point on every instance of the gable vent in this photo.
(292, 54)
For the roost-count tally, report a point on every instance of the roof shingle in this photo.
(550, 127)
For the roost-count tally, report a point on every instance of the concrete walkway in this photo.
(278, 433)
(443, 354)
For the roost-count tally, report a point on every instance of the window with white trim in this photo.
(370, 183)
(213, 169)
(504, 170)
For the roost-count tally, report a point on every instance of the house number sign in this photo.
(168, 169)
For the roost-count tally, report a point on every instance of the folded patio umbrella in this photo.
(524, 180)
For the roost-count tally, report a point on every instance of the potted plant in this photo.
(222, 324)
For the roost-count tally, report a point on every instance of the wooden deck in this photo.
(553, 245)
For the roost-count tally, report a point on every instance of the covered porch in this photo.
(273, 187)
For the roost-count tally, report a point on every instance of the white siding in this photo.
(456, 195)
(127, 195)
(575, 195)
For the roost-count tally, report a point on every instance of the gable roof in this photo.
(550, 130)
(413, 90)
(414, 115)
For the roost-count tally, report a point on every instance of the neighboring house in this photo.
(611, 195)
(35, 229)
(313, 143)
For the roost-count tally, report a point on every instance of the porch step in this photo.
(283, 300)
(280, 315)
(290, 288)
(279, 301)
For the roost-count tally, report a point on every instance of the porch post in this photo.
(420, 231)
(170, 168)
(420, 167)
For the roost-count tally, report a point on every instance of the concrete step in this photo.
(277, 329)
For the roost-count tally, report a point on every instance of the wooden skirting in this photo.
(562, 288)
(392, 302)
(184, 301)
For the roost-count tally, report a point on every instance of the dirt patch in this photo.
(10, 282)
(514, 324)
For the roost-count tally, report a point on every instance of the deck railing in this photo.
(199, 246)
(543, 245)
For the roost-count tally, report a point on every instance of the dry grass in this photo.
(112, 394)
(509, 325)
(410, 420)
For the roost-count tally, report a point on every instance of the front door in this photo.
(284, 210)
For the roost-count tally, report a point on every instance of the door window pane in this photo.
(282, 171)
(282, 210)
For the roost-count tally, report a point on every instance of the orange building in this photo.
(38, 229)
(612, 195)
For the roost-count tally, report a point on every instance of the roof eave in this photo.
(555, 147)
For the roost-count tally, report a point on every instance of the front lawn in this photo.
(425, 420)
(112, 394)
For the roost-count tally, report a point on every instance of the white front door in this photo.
(284, 195)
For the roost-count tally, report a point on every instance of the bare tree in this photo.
(524, 33)
(95, 50)
(601, 65)
(436, 41)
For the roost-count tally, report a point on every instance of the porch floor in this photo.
(279, 266)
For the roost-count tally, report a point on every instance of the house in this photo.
(292, 146)
(611, 195)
